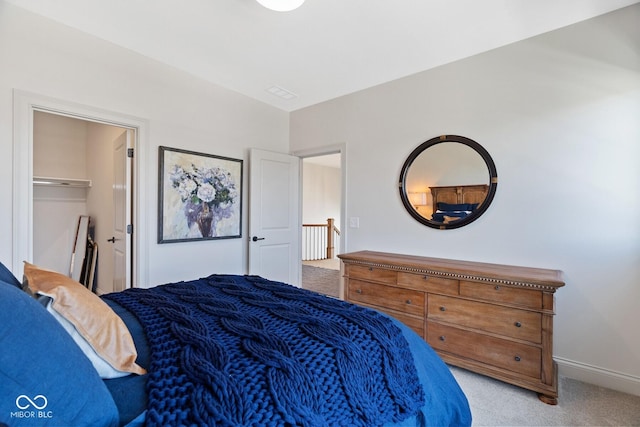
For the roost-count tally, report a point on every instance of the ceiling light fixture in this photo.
(281, 5)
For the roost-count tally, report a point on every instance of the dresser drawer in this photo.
(403, 300)
(491, 292)
(371, 273)
(515, 357)
(511, 322)
(427, 283)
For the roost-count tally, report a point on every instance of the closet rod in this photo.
(61, 182)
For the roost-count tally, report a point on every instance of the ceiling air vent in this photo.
(281, 93)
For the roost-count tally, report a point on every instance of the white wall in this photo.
(321, 193)
(560, 115)
(45, 58)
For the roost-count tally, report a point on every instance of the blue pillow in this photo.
(8, 277)
(440, 216)
(45, 379)
(450, 207)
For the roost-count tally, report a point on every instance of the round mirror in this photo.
(448, 182)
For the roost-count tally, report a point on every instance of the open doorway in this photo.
(78, 171)
(322, 219)
(25, 104)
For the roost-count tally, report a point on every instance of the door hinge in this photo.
(130, 229)
(130, 152)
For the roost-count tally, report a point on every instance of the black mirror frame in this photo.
(493, 181)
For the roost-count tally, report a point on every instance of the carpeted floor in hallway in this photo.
(319, 279)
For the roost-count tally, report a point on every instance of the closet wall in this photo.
(59, 151)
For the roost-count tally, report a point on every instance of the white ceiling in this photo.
(324, 49)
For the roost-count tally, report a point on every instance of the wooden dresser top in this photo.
(508, 274)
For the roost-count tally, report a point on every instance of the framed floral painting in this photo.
(199, 197)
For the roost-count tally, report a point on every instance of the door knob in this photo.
(256, 238)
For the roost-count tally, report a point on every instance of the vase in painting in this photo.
(205, 220)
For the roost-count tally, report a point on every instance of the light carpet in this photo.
(494, 403)
(323, 280)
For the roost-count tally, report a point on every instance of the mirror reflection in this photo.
(448, 182)
(79, 248)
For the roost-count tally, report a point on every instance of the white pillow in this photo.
(105, 370)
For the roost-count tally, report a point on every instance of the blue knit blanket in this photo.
(242, 350)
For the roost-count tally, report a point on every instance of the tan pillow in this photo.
(93, 318)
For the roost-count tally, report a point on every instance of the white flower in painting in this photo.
(186, 188)
(206, 193)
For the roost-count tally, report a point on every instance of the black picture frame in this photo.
(199, 196)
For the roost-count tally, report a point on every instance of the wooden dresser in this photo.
(496, 320)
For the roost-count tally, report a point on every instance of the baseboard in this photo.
(598, 376)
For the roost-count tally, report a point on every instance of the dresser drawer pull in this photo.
(408, 301)
(517, 358)
(497, 288)
(370, 268)
(442, 338)
(358, 291)
(518, 324)
(443, 308)
(425, 277)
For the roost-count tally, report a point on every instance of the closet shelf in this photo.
(61, 182)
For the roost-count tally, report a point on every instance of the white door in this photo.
(121, 239)
(274, 216)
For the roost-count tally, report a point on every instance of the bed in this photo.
(219, 350)
(454, 202)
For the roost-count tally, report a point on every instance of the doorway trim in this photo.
(24, 105)
(322, 151)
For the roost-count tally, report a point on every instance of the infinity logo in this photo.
(22, 405)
